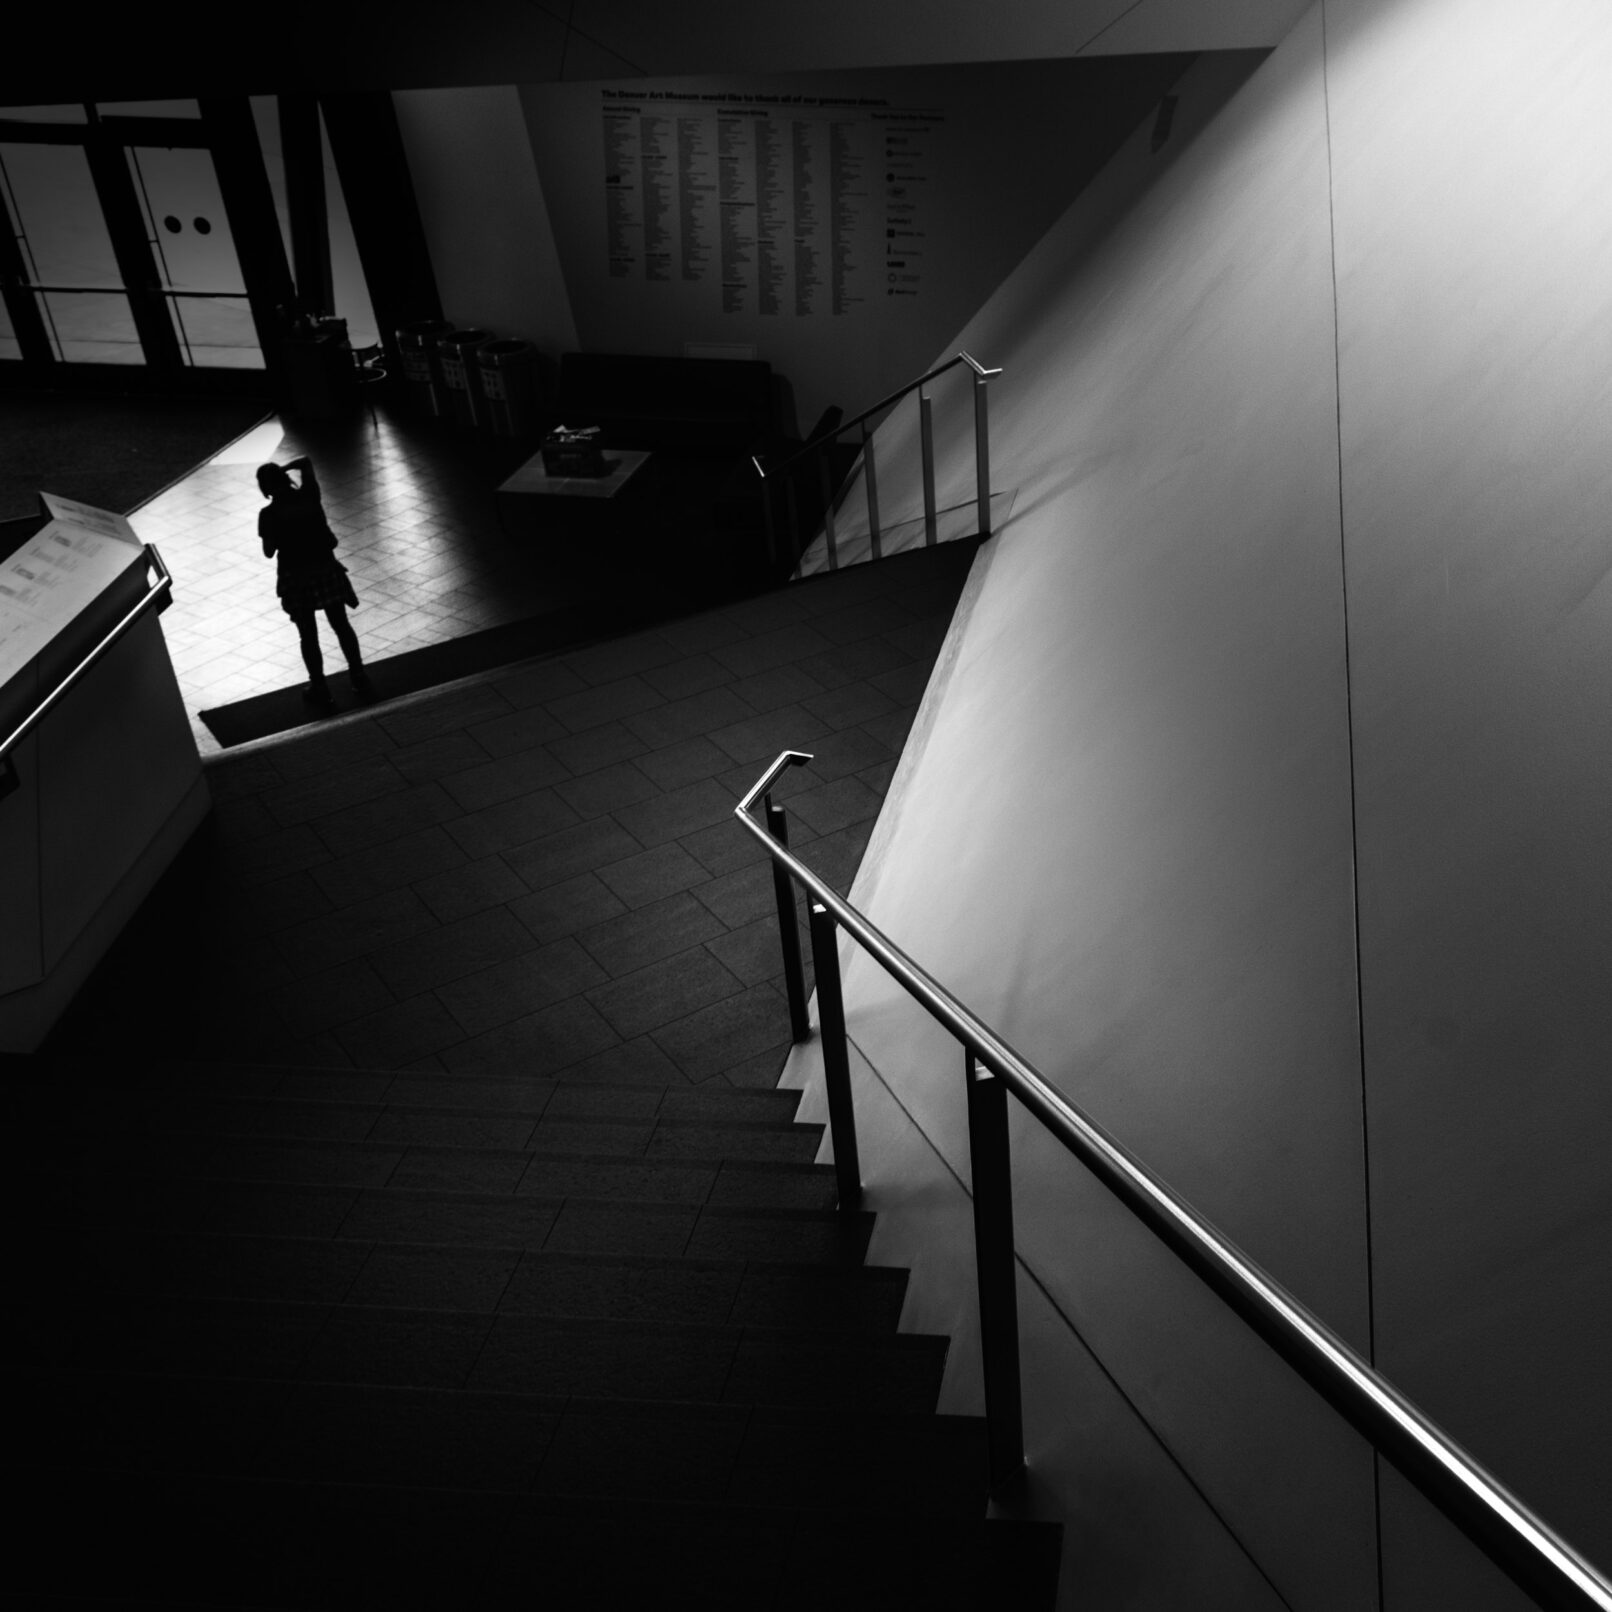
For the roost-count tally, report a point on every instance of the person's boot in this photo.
(362, 687)
(318, 694)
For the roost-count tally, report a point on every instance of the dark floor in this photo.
(381, 1250)
(113, 452)
(536, 870)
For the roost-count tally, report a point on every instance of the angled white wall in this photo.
(1135, 778)
(1474, 247)
(1305, 576)
(485, 217)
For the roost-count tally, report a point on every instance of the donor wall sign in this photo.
(774, 203)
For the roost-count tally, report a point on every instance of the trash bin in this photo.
(422, 372)
(509, 387)
(456, 351)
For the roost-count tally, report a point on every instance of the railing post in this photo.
(997, 1270)
(792, 504)
(982, 454)
(767, 515)
(783, 889)
(828, 512)
(926, 433)
(836, 1061)
(870, 484)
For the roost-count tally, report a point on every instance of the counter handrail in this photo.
(157, 596)
(1538, 1559)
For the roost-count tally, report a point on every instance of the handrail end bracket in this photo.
(786, 760)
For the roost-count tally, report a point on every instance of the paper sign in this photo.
(60, 570)
(88, 518)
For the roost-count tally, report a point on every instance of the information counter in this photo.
(100, 781)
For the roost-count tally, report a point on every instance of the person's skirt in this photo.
(304, 592)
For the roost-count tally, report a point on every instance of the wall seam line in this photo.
(1354, 811)
(1113, 22)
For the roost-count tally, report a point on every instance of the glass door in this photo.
(116, 248)
(198, 269)
(67, 258)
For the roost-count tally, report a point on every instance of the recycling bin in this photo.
(456, 352)
(422, 370)
(509, 387)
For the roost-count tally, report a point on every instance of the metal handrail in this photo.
(867, 414)
(158, 595)
(1536, 1558)
(821, 443)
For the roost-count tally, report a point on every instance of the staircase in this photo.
(350, 1338)
(498, 1272)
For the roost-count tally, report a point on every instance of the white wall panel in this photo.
(1473, 164)
(485, 218)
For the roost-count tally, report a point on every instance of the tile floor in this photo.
(412, 504)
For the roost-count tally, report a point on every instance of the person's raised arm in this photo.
(310, 482)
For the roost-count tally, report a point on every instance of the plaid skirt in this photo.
(303, 592)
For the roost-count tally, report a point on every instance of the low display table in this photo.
(532, 480)
(573, 518)
(652, 515)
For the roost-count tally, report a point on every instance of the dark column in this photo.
(131, 245)
(27, 322)
(379, 191)
(303, 148)
(249, 206)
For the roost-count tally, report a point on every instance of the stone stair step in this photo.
(116, 1142)
(511, 1221)
(323, 1432)
(503, 1352)
(796, 1143)
(223, 1543)
(338, 1103)
(756, 1293)
(88, 1265)
(460, 1165)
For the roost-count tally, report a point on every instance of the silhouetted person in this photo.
(311, 578)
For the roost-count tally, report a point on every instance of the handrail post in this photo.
(792, 504)
(996, 1264)
(828, 509)
(783, 889)
(767, 515)
(926, 433)
(982, 454)
(870, 485)
(836, 1061)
